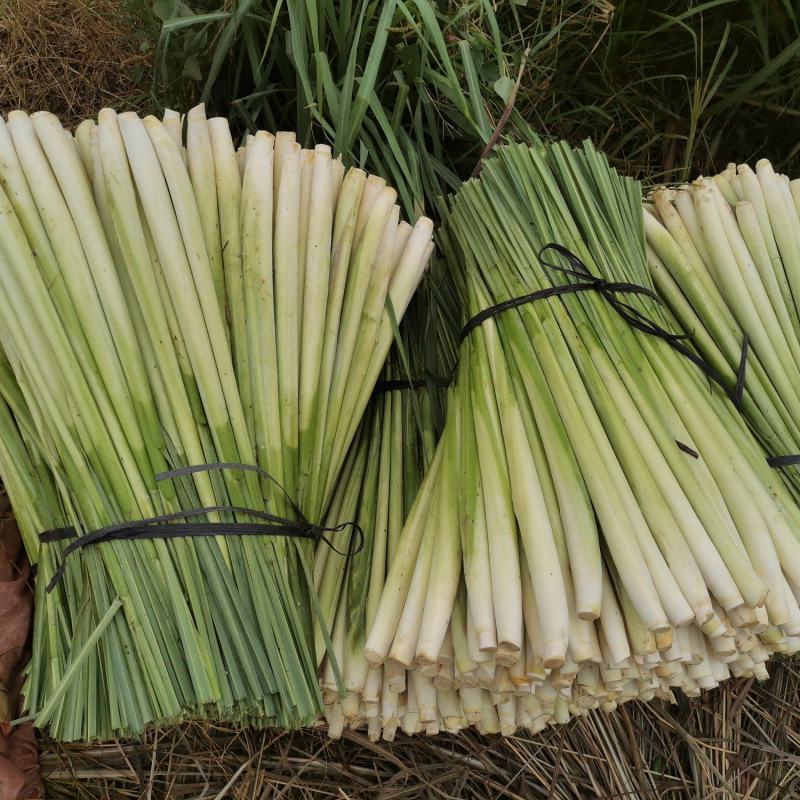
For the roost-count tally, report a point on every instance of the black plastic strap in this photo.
(686, 449)
(609, 291)
(218, 465)
(783, 461)
(738, 389)
(159, 527)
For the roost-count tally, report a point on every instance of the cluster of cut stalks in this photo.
(724, 253)
(598, 523)
(173, 301)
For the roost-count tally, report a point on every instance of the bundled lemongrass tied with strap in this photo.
(599, 524)
(378, 488)
(379, 483)
(192, 332)
(724, 254)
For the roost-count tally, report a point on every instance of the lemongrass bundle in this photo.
(598, 518)
(193, 332)
(379, 488)
(724, 254)
(382, 471)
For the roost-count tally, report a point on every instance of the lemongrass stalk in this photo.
(458, 623)
(398, 579)
(229, 199)
(446, 553)
(286, 181)
(316, 269)
(360, 567)
(257, 261)
(753, 236)
(82, 139)
(404, 643)
(336, 655)
(172, 122)
(446, 652)
(498, 516)
(337, 178)
(396, 676)
(642, 640)
(350, 704)
(410, 721)
(347, 207)
(200, 163)
(475, 538)
(241, 157)
(472, 703)
(397, 456)
(517, 673)
(737, 185)
(726, 190)
(373, 188)
(612, 624)
(786, 190)
(373, 684)
(449, 707)
(684, 203)
(307, 159)
(380, 557)
(753, 193)
(792, 626)
(285, 144)
(530, 614)
(489, 722)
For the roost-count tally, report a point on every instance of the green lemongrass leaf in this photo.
(73, 670)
